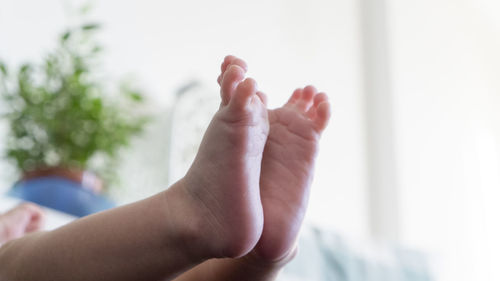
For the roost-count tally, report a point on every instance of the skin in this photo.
(222, 216)
(224, 178)
(287, 171)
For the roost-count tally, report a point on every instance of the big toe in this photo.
(228, 61)
(232, 77)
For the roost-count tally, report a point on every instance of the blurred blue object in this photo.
(60, 194)
(325, 256)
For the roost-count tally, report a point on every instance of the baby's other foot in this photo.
(223, 181)
(287, 169)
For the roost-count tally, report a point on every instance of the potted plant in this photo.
(64, 120)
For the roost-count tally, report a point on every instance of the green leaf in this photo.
(135, 96)
(96, 49)
(61, 105)
(25, 68)
(66, 36)
(90, 26)
(3, 68)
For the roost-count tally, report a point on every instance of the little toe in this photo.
(294, 97)
(306, 99)
(230, 80)
(243, 94)
(322, 116)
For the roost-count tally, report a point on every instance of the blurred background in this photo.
(412, 155)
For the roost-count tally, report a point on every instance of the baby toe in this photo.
(322, 116)
(243, 94)
(228, 61)
(294, 97)
(318, 98)
(230, 80)
(306, 99)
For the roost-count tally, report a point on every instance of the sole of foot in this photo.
(223, 182)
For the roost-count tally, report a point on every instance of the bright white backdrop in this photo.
(445, 78)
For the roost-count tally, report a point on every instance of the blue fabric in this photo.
(61, 194)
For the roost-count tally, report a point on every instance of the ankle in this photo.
(183, 226)
(204, 235)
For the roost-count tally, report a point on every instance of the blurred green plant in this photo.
(61, 114)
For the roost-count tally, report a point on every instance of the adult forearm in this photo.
(141, 241)
(3, 232)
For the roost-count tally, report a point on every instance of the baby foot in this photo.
(223, 181)
(287, 166)
(287, 169)
(23, 219)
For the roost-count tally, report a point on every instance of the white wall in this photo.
(446, 67)
(286, 43)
